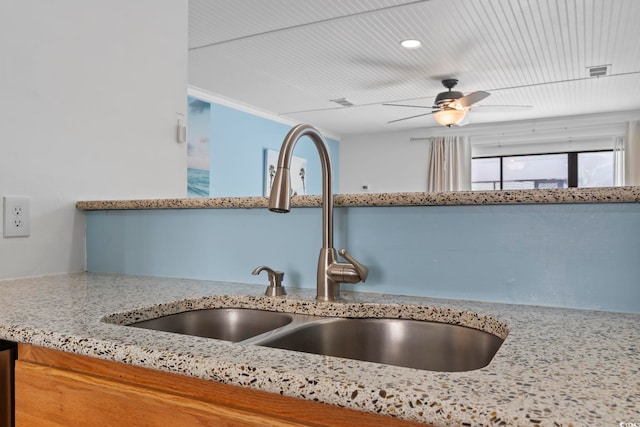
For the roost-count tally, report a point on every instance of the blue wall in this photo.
(238, 141)
(573, 255)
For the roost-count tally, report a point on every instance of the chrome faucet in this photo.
(330, 272)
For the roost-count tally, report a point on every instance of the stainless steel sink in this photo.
(230, 324)
(400, 342)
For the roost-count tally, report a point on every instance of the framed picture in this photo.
(298, 173)
(199, 125)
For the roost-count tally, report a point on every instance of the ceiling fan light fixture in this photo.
(449, 116)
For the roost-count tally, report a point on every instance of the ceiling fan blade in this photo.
(404, 105)
(470, 99)
(410, 117)
(499, 108)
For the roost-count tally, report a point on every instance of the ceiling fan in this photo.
(450, 108)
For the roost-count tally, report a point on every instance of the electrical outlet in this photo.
(17, 221)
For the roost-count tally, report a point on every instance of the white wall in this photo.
(387, 163)
(89, 92)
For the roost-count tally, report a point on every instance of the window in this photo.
(537, 171)
(595, 169)
(543, 171)
(485, 173)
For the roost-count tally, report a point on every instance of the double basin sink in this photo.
(408, 343)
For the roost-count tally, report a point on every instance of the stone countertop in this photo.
(557, 367)
(566, 195)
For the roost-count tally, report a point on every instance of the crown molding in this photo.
(205, 95)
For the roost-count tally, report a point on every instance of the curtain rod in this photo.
(537, 126)
(529, 131)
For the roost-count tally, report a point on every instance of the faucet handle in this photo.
(362, 270)
(275, 287)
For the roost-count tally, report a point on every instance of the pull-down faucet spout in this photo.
(330, 272)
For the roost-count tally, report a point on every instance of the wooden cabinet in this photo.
(55, 388)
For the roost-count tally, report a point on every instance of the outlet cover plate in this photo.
(16, 215)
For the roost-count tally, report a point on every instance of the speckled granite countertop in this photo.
(557, 367)
(567, 195)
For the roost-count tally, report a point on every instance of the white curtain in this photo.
(449, 164)
(618, 161)
(632, 154)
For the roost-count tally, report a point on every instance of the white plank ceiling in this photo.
(292, 57)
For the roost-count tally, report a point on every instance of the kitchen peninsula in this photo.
(557, 367)
(552, 271)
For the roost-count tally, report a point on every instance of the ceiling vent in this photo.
(343, 102)
(598, 70)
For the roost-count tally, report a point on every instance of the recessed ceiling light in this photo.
(410, 44)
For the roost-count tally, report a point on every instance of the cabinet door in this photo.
(54, 388)
(48, 396)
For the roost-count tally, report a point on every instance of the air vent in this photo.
(598, 70)
(342, 101)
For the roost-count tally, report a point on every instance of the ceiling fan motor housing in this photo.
(446, 97)
(450, 95)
